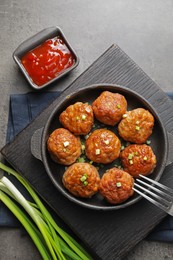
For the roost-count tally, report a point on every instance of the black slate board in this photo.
(112, 234)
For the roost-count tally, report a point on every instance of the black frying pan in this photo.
(159, 142)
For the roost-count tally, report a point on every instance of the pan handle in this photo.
(36, 143)
(170, 150)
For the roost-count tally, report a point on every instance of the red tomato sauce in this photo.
(47, 61)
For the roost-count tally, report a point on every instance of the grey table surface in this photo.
(142, 28)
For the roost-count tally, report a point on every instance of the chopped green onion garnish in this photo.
(97, 151)
(83, 147)
(130, 156)
(83, 178)
(145, 158)
(118, 184)
(137, 128)
(148, 142)
(91, 162)
(66, 144)
(81, 159)
(122, 148)
(131, 162)
(85, 183)
(118, 106)
(125, 115)
(107, 141)
(83, 117)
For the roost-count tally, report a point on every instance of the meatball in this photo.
(78, 118)
(138, 159)
(109, 107)
(116, 186)
(136, 126)
(102, 146)
(63, 146)
(81, 179)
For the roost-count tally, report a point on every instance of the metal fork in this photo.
(155, 192)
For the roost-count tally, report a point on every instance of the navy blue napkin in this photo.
(23, 109)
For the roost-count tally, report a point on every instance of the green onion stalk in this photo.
(51, 240)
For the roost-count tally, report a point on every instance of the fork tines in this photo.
(155, 192)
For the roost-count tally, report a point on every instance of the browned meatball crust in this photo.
(78, 118)
(102, 146)
(136, 126)
(138, 159)
(116, 186)
(81, 179)
(109, 107)
(63, 146)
